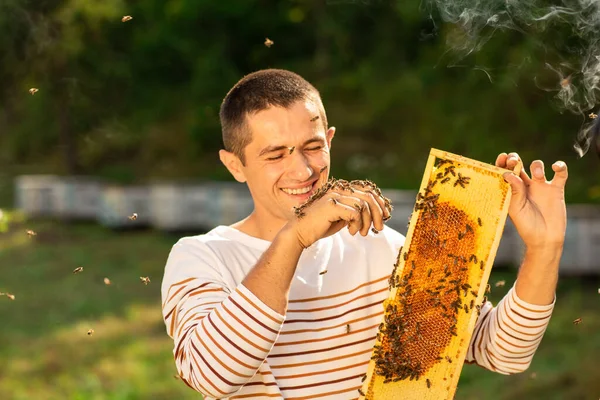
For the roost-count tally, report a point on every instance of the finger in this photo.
(376, 213)
(512, 161)
(561, 174)
(501, 160)
(365, 212)
(348, 209)
(519, 193)
(537, 171)
(385, 213)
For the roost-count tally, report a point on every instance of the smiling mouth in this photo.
(300, 191)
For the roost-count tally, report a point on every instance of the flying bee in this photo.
(107, 281)
(500, 283)
(593, 116)
(323, 272)
(145, 280)
(488, 288)
(30, 233)
(33, 90)
(126, 18)
(10, 296)
(77, 270)
(133, 217)
(90, 332)
(577, 321)
(269, 42)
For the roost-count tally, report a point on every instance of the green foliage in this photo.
(142, 97)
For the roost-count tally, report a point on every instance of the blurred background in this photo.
(109, 134)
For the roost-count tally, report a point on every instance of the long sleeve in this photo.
(507, 336)
(221, 336)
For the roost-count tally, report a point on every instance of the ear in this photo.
(233, 165)
(329, 135)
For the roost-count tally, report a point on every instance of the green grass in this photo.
(46, 353)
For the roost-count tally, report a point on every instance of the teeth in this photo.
(297, 191)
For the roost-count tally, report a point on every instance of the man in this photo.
(277, 306)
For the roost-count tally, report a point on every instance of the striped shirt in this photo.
(229, 345)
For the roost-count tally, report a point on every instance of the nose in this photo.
(300, 168)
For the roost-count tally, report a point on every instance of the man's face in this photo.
(288, 158)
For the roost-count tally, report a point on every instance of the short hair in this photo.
(256, 92)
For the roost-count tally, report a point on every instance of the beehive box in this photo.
(118, 204)
(581, 251)
(77, 197)
(35, 195)
(198, 206)
(179, 206)
(439, 280)
(232, 202)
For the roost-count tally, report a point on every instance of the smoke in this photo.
(568, 32)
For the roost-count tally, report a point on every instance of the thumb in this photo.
(518, 190)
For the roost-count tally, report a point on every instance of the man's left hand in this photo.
(537, 207)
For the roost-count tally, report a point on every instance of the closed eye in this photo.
(274, 158)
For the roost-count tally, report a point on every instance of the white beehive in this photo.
(198, 206)
(35, 195)
(179, 206)
(77, 197)
(118, 204)
(232, 202)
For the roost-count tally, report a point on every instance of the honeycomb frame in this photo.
(439, 280)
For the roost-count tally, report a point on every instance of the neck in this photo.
(260, 226)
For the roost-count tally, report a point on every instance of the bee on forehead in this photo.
(292, 149)
(313, 119)
(323, 272)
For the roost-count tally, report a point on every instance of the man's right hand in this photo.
(357, 207)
